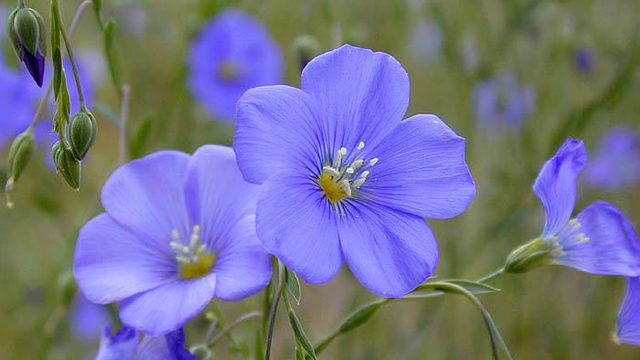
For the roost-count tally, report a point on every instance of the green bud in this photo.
(201, 352)
(82, 132)
(66, 164)
(27, 29)
(20, 154)
(66, 286)
(529, 256)
(305, 47)
(15, 40)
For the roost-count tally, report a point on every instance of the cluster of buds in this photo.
(27, 32)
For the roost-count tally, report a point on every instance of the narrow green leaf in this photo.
(301, 336)
(97, 4)
(57, 72)
(473, 287)
(359, 316)
(55, 30)
(299, 353)
(259, 345)
(111, 55)
(293, 285)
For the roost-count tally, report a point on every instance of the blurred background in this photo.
(514, 77)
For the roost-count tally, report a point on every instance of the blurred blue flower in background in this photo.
(232, 54)
(87, 318)
(616, 164)
(345, 178)
(18, 97)
(503, 102)
(125, 345)
(600, 240)
(425, 41)
(583, 58)
(178, 231)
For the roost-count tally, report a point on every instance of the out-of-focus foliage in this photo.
(579, 57)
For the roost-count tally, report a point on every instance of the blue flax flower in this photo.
(178, 231)
(628, 331)
(86, 319)
(231, 55)
(125, 345)
(617, 163)
(600, 240)
(344, 178)
(503, 102)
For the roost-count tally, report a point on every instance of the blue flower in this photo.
(503, 102)
(583, 58)
(125, 345)
(178, 231)
(617, 163)
(425, 42)
(231, 55)
(18, 97)
(344, 178)
(628, 329)
(600, 240)
(87, 318)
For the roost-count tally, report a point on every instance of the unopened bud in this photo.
(82, 133)
(306, 47)
(27, 32)
(201, 352)
(529, 256)
(66, 164)
(20, 154)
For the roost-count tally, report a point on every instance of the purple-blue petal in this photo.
(34, 64)
(167, 347)
(278, 128)
(168, 307)
(616, 164)
(18, 96)
(389, 252)
(111, 263)
(603, 241)
(297, 224)
(119, 346)
(628, 327)
(361, 95)
(236, 38)
(87, 319)
(556, 184)
(223, 204)
(421, 170)
(146, 196)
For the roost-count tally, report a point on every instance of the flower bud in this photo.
(529, 256)
(27, 32)
(66, 164)
(201, 352)
(82, 132)
(20, 154)
(306, 47)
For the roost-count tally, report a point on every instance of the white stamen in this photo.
(349, 170)
(175, 246)
(364, 174)
(333, 172)
(359, 182)
(361, 145)
(346, 187)
(175, 234)
(351, 177)
(373, 161)
(187, 253)
(357, 164)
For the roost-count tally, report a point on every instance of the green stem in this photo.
(491, 276)
(238, 321)
(72, 30)
(72, 59)
(274, 310)
(122, 137)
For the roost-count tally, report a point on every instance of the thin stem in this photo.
(491, 276)
(72, 30)
(236, 322)
(274, 310)
(124, 111)
(22, 3)
(72, 59)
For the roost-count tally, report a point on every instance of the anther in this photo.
(361, 145)
(373, 161)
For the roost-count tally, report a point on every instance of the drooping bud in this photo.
(66, 164)
(305, 47)
(201, 352)
(27, 32)
(19, 156)
(82, 132)
(529, 256)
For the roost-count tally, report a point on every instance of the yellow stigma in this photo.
(228, 71)
(331, 188)
(198, 268)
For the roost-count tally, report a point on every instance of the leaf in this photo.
(360, 316)
(111, 55)
(293, 285)
(473, 287)
(139, 140)
(300, 334)
(57, 71)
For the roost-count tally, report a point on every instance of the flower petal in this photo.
(111, 263)
(628, 331)
(362, 95)
(146, 196)
(389, 252)
(276, 129)
(421, 170)
(296, 223)
(167, 347)
(556, 184)
(119, 346)
(223, 204)
(612, 244)
(168, 307)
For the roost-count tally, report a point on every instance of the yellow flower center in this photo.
(199, 268)
(194, 259)
(228, 70)
(331, 188)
